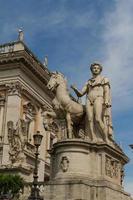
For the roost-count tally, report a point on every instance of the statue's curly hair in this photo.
(95, 63)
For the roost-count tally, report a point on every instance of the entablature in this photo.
(18, 52)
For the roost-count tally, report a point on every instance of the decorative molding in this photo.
(30, 112)
(112, 167)
(53, 124)
(14, 88)
(122, 172)
(26, 57)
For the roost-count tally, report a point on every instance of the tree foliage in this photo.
(11, 185)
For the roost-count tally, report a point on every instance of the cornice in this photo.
(16, 55)
(28, 60)
(24, 89)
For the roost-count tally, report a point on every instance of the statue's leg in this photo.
(69, 125)
(90, 121)
(98, 111)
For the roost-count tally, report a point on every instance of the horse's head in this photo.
(55, 80)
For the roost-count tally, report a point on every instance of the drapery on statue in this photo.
(98, 104)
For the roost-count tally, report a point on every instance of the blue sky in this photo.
(75, 33)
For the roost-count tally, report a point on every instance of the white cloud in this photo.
(118, 47)
(48, 23)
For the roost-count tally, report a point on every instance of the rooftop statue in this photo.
(20, 35)
(46, 61)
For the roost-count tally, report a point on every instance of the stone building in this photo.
(23, 98)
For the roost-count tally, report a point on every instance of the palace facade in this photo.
(23, 99)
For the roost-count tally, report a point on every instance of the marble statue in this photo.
(46, 61)
(20, 35)
(89, 167)
(63, 104)
(17, 140)
(98, 104)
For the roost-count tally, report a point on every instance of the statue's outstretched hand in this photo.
(76, 90)
(73, 87)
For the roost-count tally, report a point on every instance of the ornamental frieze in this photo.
(17, 139)
(112, 167)
(14, 88)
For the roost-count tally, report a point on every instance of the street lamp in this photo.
(35, 190)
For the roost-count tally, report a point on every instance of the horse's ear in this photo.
(53, 73)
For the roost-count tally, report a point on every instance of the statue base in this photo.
(86, 171)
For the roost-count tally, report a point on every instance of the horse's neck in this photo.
(62, 91)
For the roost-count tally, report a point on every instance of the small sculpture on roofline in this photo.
(20, 34)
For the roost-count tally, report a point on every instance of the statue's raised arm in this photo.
(79, 93)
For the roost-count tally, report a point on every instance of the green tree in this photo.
(11, 185)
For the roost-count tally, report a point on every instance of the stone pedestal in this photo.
(81, 170)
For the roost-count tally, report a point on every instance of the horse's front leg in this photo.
(69, 125)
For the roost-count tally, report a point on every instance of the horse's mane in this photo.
(62, 75)
(57, 73)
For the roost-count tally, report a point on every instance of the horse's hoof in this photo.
(94, 141)
(87, 139)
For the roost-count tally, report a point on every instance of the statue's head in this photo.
(56, 79)
(96, 66)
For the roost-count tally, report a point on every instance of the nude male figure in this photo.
(97, 90)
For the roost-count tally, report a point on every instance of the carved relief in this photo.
(29, 113)
(29, 109)
(112, 168)
(52, 124)
(64, 164)
(17, 140)
(48, 118)
(14, 88)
